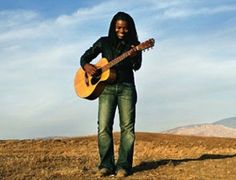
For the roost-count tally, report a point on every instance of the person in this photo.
(122, 36)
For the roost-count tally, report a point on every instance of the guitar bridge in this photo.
(96, 77)
(86, 79)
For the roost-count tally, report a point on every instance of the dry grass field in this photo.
(157, 156)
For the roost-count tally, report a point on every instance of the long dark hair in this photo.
(132, 36)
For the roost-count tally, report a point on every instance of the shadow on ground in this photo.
(149, 165)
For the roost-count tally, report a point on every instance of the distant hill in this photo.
(214, 130)
(228, 122)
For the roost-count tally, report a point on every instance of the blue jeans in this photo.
(123, 96)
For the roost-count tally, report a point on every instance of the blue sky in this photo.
(187, 78)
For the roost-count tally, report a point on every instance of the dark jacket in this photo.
(110, 51)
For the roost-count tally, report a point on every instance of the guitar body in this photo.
(90, 87)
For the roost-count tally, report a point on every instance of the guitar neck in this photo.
(116, 60)
(147, 44)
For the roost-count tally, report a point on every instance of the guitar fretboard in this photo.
(147, 44)
(116, 60)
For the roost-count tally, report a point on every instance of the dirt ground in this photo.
(157, 156)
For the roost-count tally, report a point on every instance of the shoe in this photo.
(104, 172)
(121, 173)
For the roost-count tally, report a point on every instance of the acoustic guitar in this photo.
(90, 87)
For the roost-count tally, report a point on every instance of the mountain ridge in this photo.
(228, 122)
(222, 128)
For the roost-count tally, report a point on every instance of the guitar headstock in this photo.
(146, 44)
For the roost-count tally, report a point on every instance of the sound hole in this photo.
(96, 77)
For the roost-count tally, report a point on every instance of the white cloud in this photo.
(10, 19)
(191, 11)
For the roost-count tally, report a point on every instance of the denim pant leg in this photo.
(106, 113)
(126, 103)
